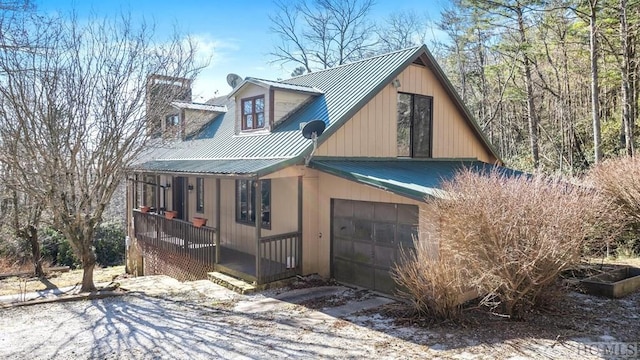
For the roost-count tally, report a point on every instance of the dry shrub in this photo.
(433, 285)
(508, 237)
(619, 180)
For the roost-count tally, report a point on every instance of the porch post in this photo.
(300, 214)
(258, 212)
(217, 220)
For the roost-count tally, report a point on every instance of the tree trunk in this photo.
(32, 234)
(627, 120)
(531, 110)
(88, 264)
(595, 95)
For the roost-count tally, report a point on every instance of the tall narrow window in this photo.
(149, 191)
(253, 113)
(246, 202)
(415, 122)
(200, 195)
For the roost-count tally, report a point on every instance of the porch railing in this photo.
(280, 257)
(177, 236)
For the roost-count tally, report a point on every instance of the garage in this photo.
(366, 238)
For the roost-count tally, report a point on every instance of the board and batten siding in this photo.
(286, 101)
(372, 131)
(284, 214)
(318, 190)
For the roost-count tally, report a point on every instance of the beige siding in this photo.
(195, 119)
(372, 131)
(284, 214)
(286, 101)
(319, 188)
(251, 90)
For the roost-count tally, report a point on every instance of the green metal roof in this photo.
(346, 89)
(224, 167)
(413, 178)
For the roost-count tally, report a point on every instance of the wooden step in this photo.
(231, 283)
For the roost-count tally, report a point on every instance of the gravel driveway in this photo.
(189, 323)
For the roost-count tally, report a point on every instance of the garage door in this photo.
(366, 238)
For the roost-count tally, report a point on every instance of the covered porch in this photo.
(250, 251)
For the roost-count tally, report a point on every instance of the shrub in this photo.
(109, 244)
(619, 180)
(433, 285)
(509, 237)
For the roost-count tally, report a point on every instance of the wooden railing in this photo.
(280, 257)
(177, 236)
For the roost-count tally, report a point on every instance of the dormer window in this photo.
(172, 120)
(253, 113)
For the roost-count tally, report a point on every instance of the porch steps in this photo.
(231, 283)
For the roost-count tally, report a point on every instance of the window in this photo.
(415, 120)
(149, 191)
(246, 202)
(200, 195)
(253, 113)
(172, 120)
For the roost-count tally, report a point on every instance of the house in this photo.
(278, 204)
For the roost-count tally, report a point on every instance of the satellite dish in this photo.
(313, 128)
(234, 80)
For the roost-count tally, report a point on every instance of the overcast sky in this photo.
(234, 34)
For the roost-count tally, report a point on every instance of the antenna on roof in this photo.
(234, 80)
(312, 130)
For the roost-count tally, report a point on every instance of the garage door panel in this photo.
(384, 233)
(342, 208)
(343, 270)
(406, 234)
(385, 212)
(362, 210)
(343, 248)
(362, 252)
(363, 276)
(343, 227)
(385, 256)
(384, 282)
(362, 229)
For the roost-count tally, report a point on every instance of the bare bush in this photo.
(510, 237)
(433, 285)
(619, 180)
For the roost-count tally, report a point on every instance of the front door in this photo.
(179, 196)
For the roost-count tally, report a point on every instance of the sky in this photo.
(233, 35)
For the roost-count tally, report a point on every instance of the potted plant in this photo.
(144, 208)
(170, 214)
(199, 222)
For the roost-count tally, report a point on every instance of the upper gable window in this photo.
(415, 125)
(253, 113)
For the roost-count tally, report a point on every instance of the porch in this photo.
(278, 257)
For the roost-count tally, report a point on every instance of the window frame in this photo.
(200, 195)
(412, 152)
(254, 122)
(251, 203)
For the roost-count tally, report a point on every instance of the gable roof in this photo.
(277, 85)
(344, 91)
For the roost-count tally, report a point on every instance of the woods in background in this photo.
(554, 84)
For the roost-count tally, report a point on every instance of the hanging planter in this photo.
(199, 222)
(171, 214)
(144, 208)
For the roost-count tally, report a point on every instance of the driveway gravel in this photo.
(160, 318)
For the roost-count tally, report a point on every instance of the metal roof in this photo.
(413, 178)
(223, 167)
(345, 90)
(198, 106)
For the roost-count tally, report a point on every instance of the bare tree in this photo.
(401, 30)
(321, 33)
(72, 106)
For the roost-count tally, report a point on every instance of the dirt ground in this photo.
(200, 320)
(15, 284)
